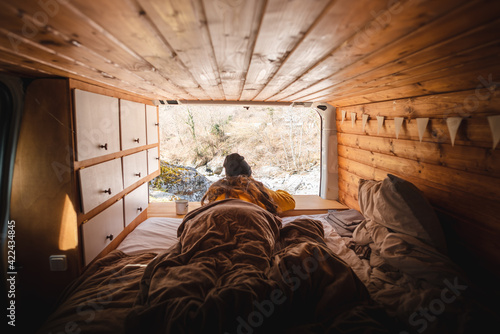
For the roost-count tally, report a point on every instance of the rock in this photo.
(218, 170)
(179, 182)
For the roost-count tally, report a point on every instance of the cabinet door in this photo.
(135, 167)
(97, 125)
(99, 183)
(132, 124)
(152, 124)
(99, 231)
(135, 202)
(153, 160)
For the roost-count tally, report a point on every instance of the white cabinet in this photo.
(152, 124)
(135, 202)
(132, 124)
(97, 125)
(135, 167)
(153, 160)
(99, 231)
(114, 139)
(99, 183)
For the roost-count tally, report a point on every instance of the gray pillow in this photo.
(400, 206)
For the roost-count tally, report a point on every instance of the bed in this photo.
(231, 267)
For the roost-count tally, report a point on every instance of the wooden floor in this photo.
(304, 204)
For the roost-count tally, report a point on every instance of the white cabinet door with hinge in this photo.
(132, 124)
(153, 160)
(99, 231)
(99, 183)
(152, 124)
(135, 202)
(135, 167)
(97, 125)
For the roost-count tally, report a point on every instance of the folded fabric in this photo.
(344, 221)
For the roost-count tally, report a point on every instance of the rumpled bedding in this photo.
(418, 284)
(235, 269)
(344, 221)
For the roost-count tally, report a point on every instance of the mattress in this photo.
(229, 266)
(402, 274)
(414, 284)
(157, 234)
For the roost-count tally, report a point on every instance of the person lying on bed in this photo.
(239, 183)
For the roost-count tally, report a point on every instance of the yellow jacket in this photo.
(283, 199)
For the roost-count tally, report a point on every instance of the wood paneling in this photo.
(446, 76)
(138, 33)
(304, 204)
(259, 50)
(435, 40)
(42, 201)
(67, 34)
(183, 24)
(283, 26)
(472, 159)
(435, 73)
(378, 33)
(118, 239)
(472, 229)
(338, 22)
(233, 29)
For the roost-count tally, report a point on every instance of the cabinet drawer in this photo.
(99, 231)
(135, 167)
(97, 125)
(132, 124)
(152, 124)
(99, 183)
(135, 202)
(153, 160)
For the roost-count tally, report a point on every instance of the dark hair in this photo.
(246, 184)
(235, 165)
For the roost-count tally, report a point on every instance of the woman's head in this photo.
(235, 165)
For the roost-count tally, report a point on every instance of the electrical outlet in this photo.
(58, 263)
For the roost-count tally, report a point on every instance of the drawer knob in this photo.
(107, 191)
(157, 158)
(105, 146)
(138, 174)
(139, 209)
(110, 237)
(156, 124)
(137, 140)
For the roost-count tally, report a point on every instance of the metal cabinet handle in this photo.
(105, 146)
(138, 174)
(157, 158)
(156, 124)
(108, 191)
(139, 209)
(137, 140)
(110, 237)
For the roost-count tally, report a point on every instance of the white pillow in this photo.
(401, 207)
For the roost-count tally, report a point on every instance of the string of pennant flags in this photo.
(453, 124)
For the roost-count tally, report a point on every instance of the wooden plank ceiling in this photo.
(254, 50)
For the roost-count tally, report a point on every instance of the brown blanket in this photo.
(234, 270)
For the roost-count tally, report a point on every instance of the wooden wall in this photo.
(43, 201)
(460, 181)
(446, 67)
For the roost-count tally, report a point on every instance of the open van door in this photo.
(11, 107)
(329, 187)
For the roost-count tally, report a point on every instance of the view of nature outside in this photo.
(281, 144)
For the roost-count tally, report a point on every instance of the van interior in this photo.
(402, 237)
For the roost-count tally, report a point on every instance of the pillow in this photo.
(400, 206)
